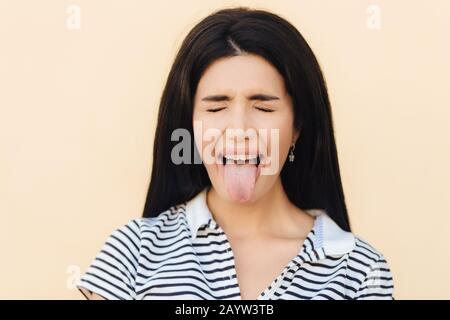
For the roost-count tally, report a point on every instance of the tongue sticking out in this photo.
(240, 180)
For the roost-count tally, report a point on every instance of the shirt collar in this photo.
(197, 212)
(328, 235)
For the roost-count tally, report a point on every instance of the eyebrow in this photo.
(259, 96)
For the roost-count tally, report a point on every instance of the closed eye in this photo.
(265, 109)
(215, 109)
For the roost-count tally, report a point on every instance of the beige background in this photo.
(77, 116)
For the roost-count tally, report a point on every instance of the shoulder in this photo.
(365, 253)
(167, 221)
(114, 271)
(369, 265)
(131, 236)
(363, 259)
(145, 233)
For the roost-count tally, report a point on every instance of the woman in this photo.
(262, 215)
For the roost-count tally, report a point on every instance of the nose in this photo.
(239, 129)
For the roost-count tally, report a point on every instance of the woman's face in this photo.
(243, 126)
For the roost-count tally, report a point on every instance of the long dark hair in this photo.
(313, 180)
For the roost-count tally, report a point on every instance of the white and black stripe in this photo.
(184, 254)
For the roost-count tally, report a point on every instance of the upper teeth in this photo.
(240, 157)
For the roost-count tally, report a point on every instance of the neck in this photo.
(271, 215)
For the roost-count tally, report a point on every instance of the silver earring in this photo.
(291, 154)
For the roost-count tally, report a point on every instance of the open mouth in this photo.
(241, 159)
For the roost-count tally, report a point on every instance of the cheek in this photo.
(281, 141)
(206, 134)
(285, 143)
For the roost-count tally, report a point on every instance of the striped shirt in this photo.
(184, 254)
